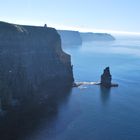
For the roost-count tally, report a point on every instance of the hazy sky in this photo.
(98, 15)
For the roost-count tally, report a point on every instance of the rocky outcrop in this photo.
(106, 79)
(96, 37)
(31, 59)
(70, 37)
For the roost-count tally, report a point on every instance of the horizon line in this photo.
(80, 29)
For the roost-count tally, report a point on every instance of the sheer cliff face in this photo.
(70, 37)
(77, 38)
(31, 57)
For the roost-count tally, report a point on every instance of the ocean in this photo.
(90, 112)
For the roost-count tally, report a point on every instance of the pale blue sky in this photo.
(98, 15)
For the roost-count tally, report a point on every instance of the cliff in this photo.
(70, 37)
(96, 37)
(31, 59)
(76, 38)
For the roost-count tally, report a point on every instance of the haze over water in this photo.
(91, 112)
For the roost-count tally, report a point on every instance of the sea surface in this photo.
(90, 112)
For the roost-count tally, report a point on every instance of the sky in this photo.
(122, 16)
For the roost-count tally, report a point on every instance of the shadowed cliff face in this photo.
(31, 59)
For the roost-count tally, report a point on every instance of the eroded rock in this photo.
(106, 79)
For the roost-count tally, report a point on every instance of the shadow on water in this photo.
(19, 123)
(105, 94)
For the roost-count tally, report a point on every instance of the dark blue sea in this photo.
(90, 112)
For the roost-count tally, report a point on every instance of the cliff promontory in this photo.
(70, 37)
(89, 36)
(31, 58)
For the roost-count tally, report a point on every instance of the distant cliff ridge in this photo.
(70, 37)
(31, 58)
(96, 37)
(76, 38)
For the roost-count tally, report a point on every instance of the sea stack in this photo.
(106, 78)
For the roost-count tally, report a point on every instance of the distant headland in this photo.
(70, 37)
